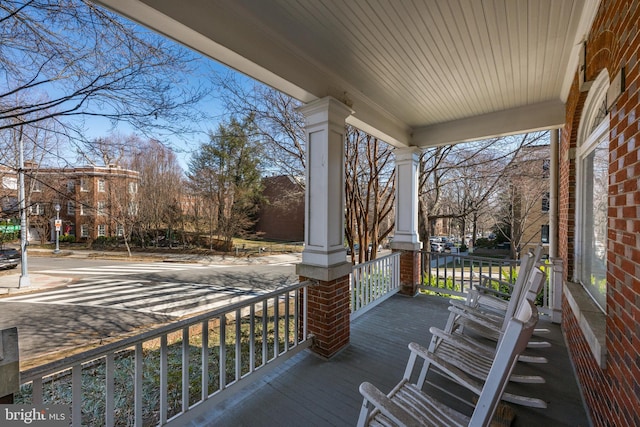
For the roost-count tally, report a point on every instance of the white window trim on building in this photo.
(590, 136)
(102, 230)
(593, 321)
(101, 208)
(101, 186)
(84, 230)
(71, 208)
(36, 209)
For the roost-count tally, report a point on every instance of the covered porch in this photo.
(424, 74)
(251, 363)
(311, 391)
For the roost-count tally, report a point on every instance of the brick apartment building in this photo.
(93, 201)
(530, 182)
(281, 215)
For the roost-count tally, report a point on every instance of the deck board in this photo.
(310, 391)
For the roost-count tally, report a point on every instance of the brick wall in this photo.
(329, 314)
(281, 215)
(613, 393)
(409, 272)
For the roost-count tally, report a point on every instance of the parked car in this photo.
(437, 247)
(9, 258)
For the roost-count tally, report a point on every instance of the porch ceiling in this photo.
(416, 72)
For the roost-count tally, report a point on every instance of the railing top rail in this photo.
(474, 257)
(94, 353)
(373, 261)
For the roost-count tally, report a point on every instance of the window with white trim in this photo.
(132, 209)
(36, 209)
(592, 160)
(84, 230)
(84, 184)
(102, 230)
(101, 186)
(544, 233)
(71, 208)
(119, 230)
(101, 207)
(71, 186)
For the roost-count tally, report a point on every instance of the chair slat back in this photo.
(526, 265)
(515, 339)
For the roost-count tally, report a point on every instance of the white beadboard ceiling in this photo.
(415, 72)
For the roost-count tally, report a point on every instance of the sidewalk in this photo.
(10, 280)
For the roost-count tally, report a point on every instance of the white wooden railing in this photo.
(457, 274)
(374, 281)
(157, 376)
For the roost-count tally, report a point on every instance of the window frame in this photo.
(590, 136)
(101, 208)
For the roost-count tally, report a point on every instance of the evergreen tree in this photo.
(226, 171)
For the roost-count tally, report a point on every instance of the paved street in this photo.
(176, 299)
(75, 304)
(124, 269)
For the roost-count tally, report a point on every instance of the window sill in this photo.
(591, 319)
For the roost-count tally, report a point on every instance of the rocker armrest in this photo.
(454, 372)
(481, 320)
(462, 343)
(490, 291)
(484, 279)
(491, 317)
(386, 406)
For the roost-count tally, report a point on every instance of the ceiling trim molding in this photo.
(542, 116)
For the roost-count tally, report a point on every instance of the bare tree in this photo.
(160, 190)
(278, 122)
(460, 183)
(64, 59)
(369, 192)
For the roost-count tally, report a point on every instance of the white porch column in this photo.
(324, 255)
(406, 235)
(406, 238)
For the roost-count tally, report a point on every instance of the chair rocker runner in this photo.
(408, 405)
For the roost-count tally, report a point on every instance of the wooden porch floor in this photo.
(310, 391)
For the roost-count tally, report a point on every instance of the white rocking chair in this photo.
(408, 405)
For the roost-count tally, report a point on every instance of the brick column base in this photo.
(329, 312)
(409, 272)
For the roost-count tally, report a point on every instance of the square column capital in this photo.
(408, 154)
(323, 110)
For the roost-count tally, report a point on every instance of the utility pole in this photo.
(24, 273)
